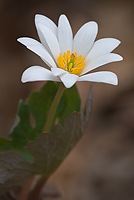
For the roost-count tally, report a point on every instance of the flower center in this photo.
(71, 63)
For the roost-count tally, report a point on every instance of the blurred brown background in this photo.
(101, 166)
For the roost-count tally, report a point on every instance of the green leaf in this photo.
(39, 104)
(52, 148)
(48, 151)
(14, 170)
(70, 102)
(37, 107)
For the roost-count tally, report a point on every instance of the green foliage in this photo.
(48, 151)
(43, 152)
(37, 107)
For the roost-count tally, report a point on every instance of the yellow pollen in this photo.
(71, 63)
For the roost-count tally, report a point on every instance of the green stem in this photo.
(48, 125)
(53, 108)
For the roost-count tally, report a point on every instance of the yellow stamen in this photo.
(71, 63)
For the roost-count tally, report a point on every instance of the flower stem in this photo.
(53, 108)
(34, 195)
(26, 188)
(48, 125)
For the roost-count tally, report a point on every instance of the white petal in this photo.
(57, 71)
(101, 47)
(51, 40)
(102, 76)
(39, 49)
(37, 73)
(102, 60)
(65, 35)
(84, 38)
(68, 79)
(40, 19)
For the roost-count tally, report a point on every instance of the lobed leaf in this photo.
(37, 107)
(47, 151)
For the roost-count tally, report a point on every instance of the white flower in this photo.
(70, 59)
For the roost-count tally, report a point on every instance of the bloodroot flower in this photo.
(70, 59)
